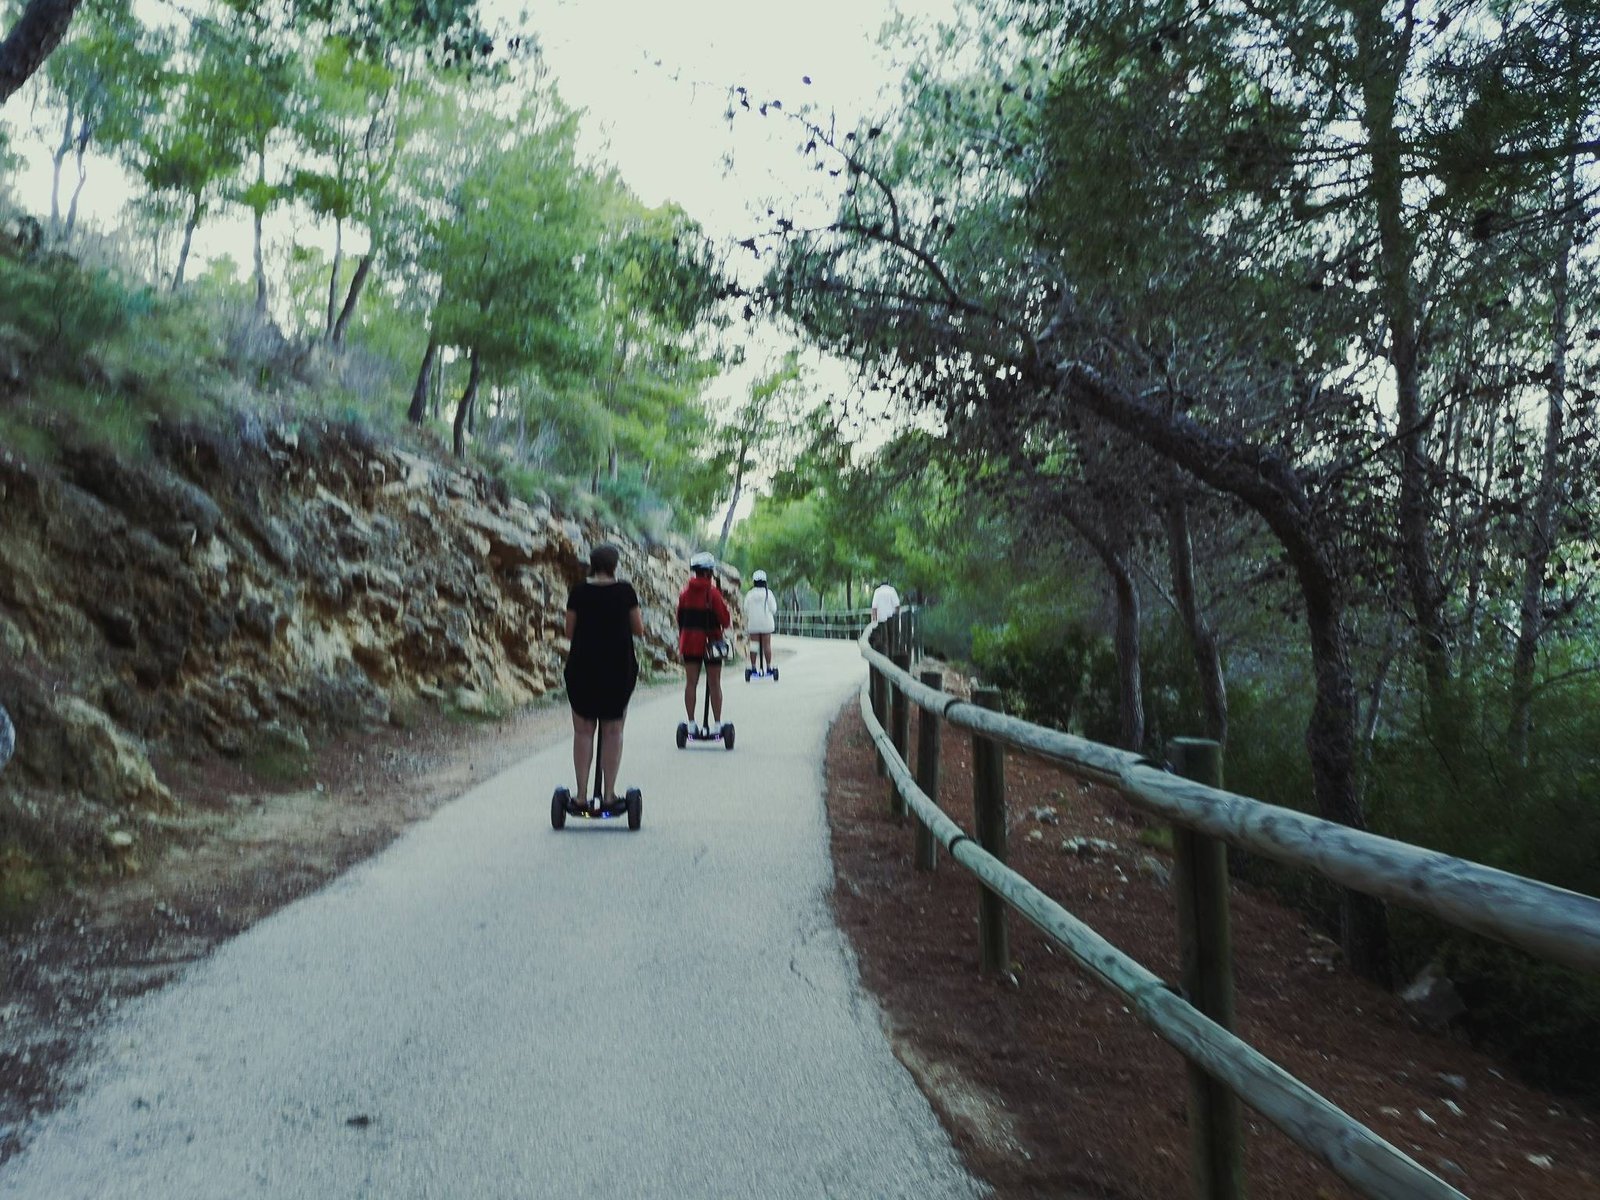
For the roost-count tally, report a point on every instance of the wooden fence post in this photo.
(1200, 881)
(929, 731)
(900, 734)
(989, 820)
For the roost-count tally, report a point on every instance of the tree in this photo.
(35, 35)
(267, 79)
(512, 286)
(339, 124)
(755, 429)
(191, 151)
(105, 78)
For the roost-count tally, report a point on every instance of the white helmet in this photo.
(759, 577)
(704, 561)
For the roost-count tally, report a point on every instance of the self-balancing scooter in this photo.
(701, 733)
(764, 671)
(564, 804)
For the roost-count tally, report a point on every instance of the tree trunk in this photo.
(363, 269)
(1330, 742)
(727, 520)
(1116, 557)
(1380, 680)
(1539, 538)
(1477, 557)
(37, 32)
(1202, 640)
(464, 408)
(56, 160)
(1130, 673)
(188, 241)
(333, 277)
(1384, 56)
(77, 189)
(419, 394)
(260, 258)
(1259, 477)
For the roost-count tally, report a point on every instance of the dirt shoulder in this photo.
(1051, 1088)
(240, 850)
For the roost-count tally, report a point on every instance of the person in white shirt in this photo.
(885, 602)
(760, 621)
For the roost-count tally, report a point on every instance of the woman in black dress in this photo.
(603, 618)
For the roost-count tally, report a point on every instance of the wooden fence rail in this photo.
(1547, 921)
(824, 623)
(846, 623)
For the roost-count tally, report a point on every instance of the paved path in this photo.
(492, 1009)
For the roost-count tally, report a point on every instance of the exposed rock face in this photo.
(253, 584)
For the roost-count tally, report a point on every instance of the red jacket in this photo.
(702, 616)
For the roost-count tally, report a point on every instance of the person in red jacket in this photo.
(703, 617)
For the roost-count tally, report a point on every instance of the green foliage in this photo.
(23, 883)
(1544, 1018)
(61, 311)
(947, 630)
(278, 766)
(1457, 790)
(1038, 659)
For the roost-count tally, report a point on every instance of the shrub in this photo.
(62, 310)
(1039, 663)
(947, 630)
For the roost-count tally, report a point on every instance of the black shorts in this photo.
(701, 660)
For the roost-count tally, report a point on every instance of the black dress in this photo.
(601, 669)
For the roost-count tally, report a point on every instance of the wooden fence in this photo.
(1196, 1016)
(824, 623)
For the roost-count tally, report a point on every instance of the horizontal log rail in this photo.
(1548, 921)
(836, 623)
(1543, 919)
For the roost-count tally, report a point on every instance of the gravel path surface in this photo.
(493, 1009)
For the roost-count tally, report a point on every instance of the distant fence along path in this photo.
(841, 623)
(838, 623)
(1194, 1017)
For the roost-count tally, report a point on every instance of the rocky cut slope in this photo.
(252, 586)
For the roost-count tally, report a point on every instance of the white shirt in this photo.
(885, 603)
(760, 611)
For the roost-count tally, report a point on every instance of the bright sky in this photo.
(663, 124)
(653, 77)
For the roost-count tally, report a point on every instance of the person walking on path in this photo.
(885, 603)
(760, 620)
(603, 618)
(702, 617)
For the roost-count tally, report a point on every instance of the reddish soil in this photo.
(1049, 1086)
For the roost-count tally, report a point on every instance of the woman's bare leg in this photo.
(766, 650)
(582, 753)
(691, 687)
(714, 686)
(611, 754)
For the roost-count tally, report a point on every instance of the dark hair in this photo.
(603, 559)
